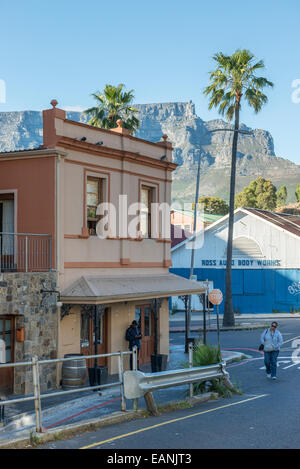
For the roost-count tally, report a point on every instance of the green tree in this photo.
(214, 205)
(260, 193)
(246, 198)
(281, 196)
(235, 78)
(113, 104)
(297, 193)
(266, 199)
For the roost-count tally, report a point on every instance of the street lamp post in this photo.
(188, 319)
(188, 316)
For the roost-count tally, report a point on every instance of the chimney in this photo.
(50, 138)
(167, 145)
(120, 129)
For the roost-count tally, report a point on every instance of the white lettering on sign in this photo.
(241, 263)
(2, 351)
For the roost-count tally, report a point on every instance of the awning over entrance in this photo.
(114, 289)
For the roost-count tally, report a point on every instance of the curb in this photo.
(51, 435)
(33, 439)
(214, 329)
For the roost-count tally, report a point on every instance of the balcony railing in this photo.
(25, 252)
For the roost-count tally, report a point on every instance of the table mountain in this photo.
(191, 138)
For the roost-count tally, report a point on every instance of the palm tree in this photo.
(234, 78)
(113, 104)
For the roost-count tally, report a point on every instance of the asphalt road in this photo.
(265, 416)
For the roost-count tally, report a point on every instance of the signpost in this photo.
(215, 296)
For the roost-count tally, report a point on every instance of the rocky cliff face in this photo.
(191, 138)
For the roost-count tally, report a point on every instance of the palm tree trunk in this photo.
(228, 318)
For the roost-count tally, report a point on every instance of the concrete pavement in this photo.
(76, 412)
(72, 413)
(242, 321)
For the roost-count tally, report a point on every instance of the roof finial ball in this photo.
(165, 137)
(54, 103)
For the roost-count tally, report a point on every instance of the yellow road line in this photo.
(171, 421)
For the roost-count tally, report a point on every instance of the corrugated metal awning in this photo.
(113, 289)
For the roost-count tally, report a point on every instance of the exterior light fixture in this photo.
(54, 292)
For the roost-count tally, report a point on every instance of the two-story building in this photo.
(78, 226)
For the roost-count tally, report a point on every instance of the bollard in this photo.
(134, 366)
(36, 391)
(2, 414)
(191, 389)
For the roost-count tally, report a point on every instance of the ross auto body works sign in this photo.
(254, 263)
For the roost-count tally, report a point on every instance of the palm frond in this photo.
(234, 77)
(113, 103)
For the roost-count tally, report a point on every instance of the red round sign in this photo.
(215, 296)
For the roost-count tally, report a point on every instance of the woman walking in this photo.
(272, 340)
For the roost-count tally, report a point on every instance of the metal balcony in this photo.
(25, 252)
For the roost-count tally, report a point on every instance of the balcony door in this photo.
(6, 226)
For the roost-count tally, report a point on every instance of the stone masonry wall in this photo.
(20, 297)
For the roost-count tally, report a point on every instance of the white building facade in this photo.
(265, 264)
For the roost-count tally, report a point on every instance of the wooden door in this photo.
(87, 337)
(7, 334)
(145, 319)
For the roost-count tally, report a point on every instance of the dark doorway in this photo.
(7, 334)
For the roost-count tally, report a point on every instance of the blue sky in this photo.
(68, 49)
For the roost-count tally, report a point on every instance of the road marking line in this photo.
(289, 366)
(290, 340)
(171, 421)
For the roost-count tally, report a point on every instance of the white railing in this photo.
(35, 363)
(133, 384)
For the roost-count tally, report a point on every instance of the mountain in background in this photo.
(191, 138)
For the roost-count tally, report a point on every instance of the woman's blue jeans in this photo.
(271, 362)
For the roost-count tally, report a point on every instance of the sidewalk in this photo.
(240, 321)
(68, 410)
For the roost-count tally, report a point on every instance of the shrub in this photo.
(205, 355)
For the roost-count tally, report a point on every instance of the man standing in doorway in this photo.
(133, 335)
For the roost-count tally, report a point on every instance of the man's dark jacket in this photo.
(133, 340)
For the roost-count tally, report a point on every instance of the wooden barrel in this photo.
(73, 371)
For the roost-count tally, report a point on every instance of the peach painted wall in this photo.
(126, 163)
(110, 139)
(33, 180)
(82, 256)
